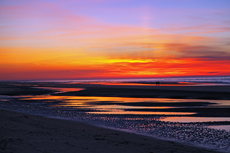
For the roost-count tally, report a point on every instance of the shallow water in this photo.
(148, 116)
(220, 127)
(195, 119)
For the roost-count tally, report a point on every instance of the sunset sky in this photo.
(83, 39)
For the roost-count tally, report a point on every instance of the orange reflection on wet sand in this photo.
(43, 97)
(73, 99)
(62, 89)
(129, 107)
(104, 105)
(116, 105)
(195, 119)
(141, 113)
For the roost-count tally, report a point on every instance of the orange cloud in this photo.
(104, 67)
(62, 44)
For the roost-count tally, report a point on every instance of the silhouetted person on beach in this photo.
(157, 83)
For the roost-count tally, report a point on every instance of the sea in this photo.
(154, 117)
(221, 80)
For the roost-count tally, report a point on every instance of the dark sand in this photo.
(187, 92)
(23, 133)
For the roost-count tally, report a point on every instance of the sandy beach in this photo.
(119, 90)
(23, 133)
(114, 76)
(26, 133)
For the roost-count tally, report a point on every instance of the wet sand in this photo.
(177, 91)
(28, 133)
(104, 90)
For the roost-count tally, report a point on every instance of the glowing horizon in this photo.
(56, 39)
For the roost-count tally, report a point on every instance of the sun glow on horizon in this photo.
(115, 39)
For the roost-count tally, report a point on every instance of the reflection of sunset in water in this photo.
(62, 89)
(141, 113)
(124, 105)
(105, 105)
(116, 109)
(195, 119)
